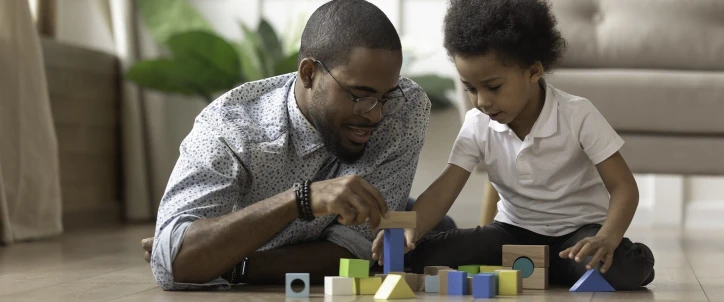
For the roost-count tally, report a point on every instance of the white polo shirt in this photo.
(548, 182)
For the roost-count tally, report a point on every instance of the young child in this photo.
(552, 156)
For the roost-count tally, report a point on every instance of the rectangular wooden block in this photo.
(432, 270)
(432, 284)
(354, 268)
(366, 286)
(442, 285)
(411, 279)
(489, 268)
(509, 282)
(537, 280)
(470, 285)
(394, 246)
(537, 253)
(457, 283)
(470, 269)
(399, 220)
(338, 286)
(484, 285)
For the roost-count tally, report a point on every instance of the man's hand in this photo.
(147, 245)
(600, 246)
(350, 197)
(378, 244)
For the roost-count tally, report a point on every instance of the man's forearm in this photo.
(212, 246)
(319, 259)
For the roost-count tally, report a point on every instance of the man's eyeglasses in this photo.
(365, 104)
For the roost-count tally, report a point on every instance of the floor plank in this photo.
(106, 264)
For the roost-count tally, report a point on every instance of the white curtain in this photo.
(30, 196)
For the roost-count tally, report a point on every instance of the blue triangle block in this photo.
(592, 281)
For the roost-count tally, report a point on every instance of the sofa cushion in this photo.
(649, 101)
(691, 155)
(656, 34)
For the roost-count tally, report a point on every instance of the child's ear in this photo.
(536, 72)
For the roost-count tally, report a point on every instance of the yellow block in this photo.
(394, 287)
(509, 282)
(489, 268)
(367, 286)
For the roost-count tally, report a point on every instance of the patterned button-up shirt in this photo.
(253, 143)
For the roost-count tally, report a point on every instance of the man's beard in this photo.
(330, 136)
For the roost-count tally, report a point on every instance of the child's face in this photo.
(498, 90)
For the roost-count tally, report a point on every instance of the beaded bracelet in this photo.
(304, 207)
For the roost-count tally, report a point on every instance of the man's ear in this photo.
(536, 72)
(307, 68)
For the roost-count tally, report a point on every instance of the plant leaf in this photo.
(249, 54)
(164, 18)
(164, 75)
(288, 64)
(207, 50)
(436, 87)
(270, 41)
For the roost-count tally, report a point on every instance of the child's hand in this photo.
(600, 246)
(378, 244)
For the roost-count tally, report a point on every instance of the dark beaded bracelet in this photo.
(304, 207)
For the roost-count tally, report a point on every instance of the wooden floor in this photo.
(107, 265)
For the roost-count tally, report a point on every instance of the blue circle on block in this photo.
(525, 265)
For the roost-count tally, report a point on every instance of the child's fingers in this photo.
(585, 251)
(564, 253)
(607, 262)
(596, 258)
(576, 248)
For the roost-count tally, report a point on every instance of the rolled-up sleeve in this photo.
(206, 182)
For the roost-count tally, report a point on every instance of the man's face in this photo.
(368, 72)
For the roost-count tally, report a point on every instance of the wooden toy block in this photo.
(536, 253)
(366, 286)
(411, 279)
(432, 270)
(420, 282)
(489, 268)
(509, 282)
(537, 280)
(457, 283)
(382, 276)
(470, 285)
(484, 285)
(592, 281)
(290, 278)
(431, 284)
(394, 251)
(470, 269)
(338, 286)
(354, 268)
(394, 287)
(399, 220)
(442, 284)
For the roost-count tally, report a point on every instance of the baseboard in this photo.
(98, 215)
(704, 215)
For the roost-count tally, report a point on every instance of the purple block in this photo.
(484, 286)
(394, 250)
(457, 283)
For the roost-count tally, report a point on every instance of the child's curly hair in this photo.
(521, 31)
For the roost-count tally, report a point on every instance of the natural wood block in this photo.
(537, 253)
(399, 220)
(420, 282)
(394, 287)
(509, 282)
(366, 286)
(338, 286)
(470, 285)
(432, 270)
(442, 285)
(537, 280)
(412, 279)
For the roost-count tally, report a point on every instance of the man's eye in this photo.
(469, 88)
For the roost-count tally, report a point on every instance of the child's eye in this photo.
(494, 88)
(470, 89)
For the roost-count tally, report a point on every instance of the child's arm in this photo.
(431, 206)
(624, 199)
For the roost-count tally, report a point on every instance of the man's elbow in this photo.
(184, 274)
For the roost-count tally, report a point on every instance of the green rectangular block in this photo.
(354, 268)
(470, 269)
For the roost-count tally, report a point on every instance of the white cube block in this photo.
(338, 286)
(432, 284)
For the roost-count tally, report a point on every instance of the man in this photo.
(337, 141)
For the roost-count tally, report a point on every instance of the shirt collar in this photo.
(547, 122)
(306, 138)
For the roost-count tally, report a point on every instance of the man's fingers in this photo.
(596, 258)
(346, 212)
(376, 196)
(147, 257)
(607, 262)
(361, 208)
(147, 244)
(374, 212)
